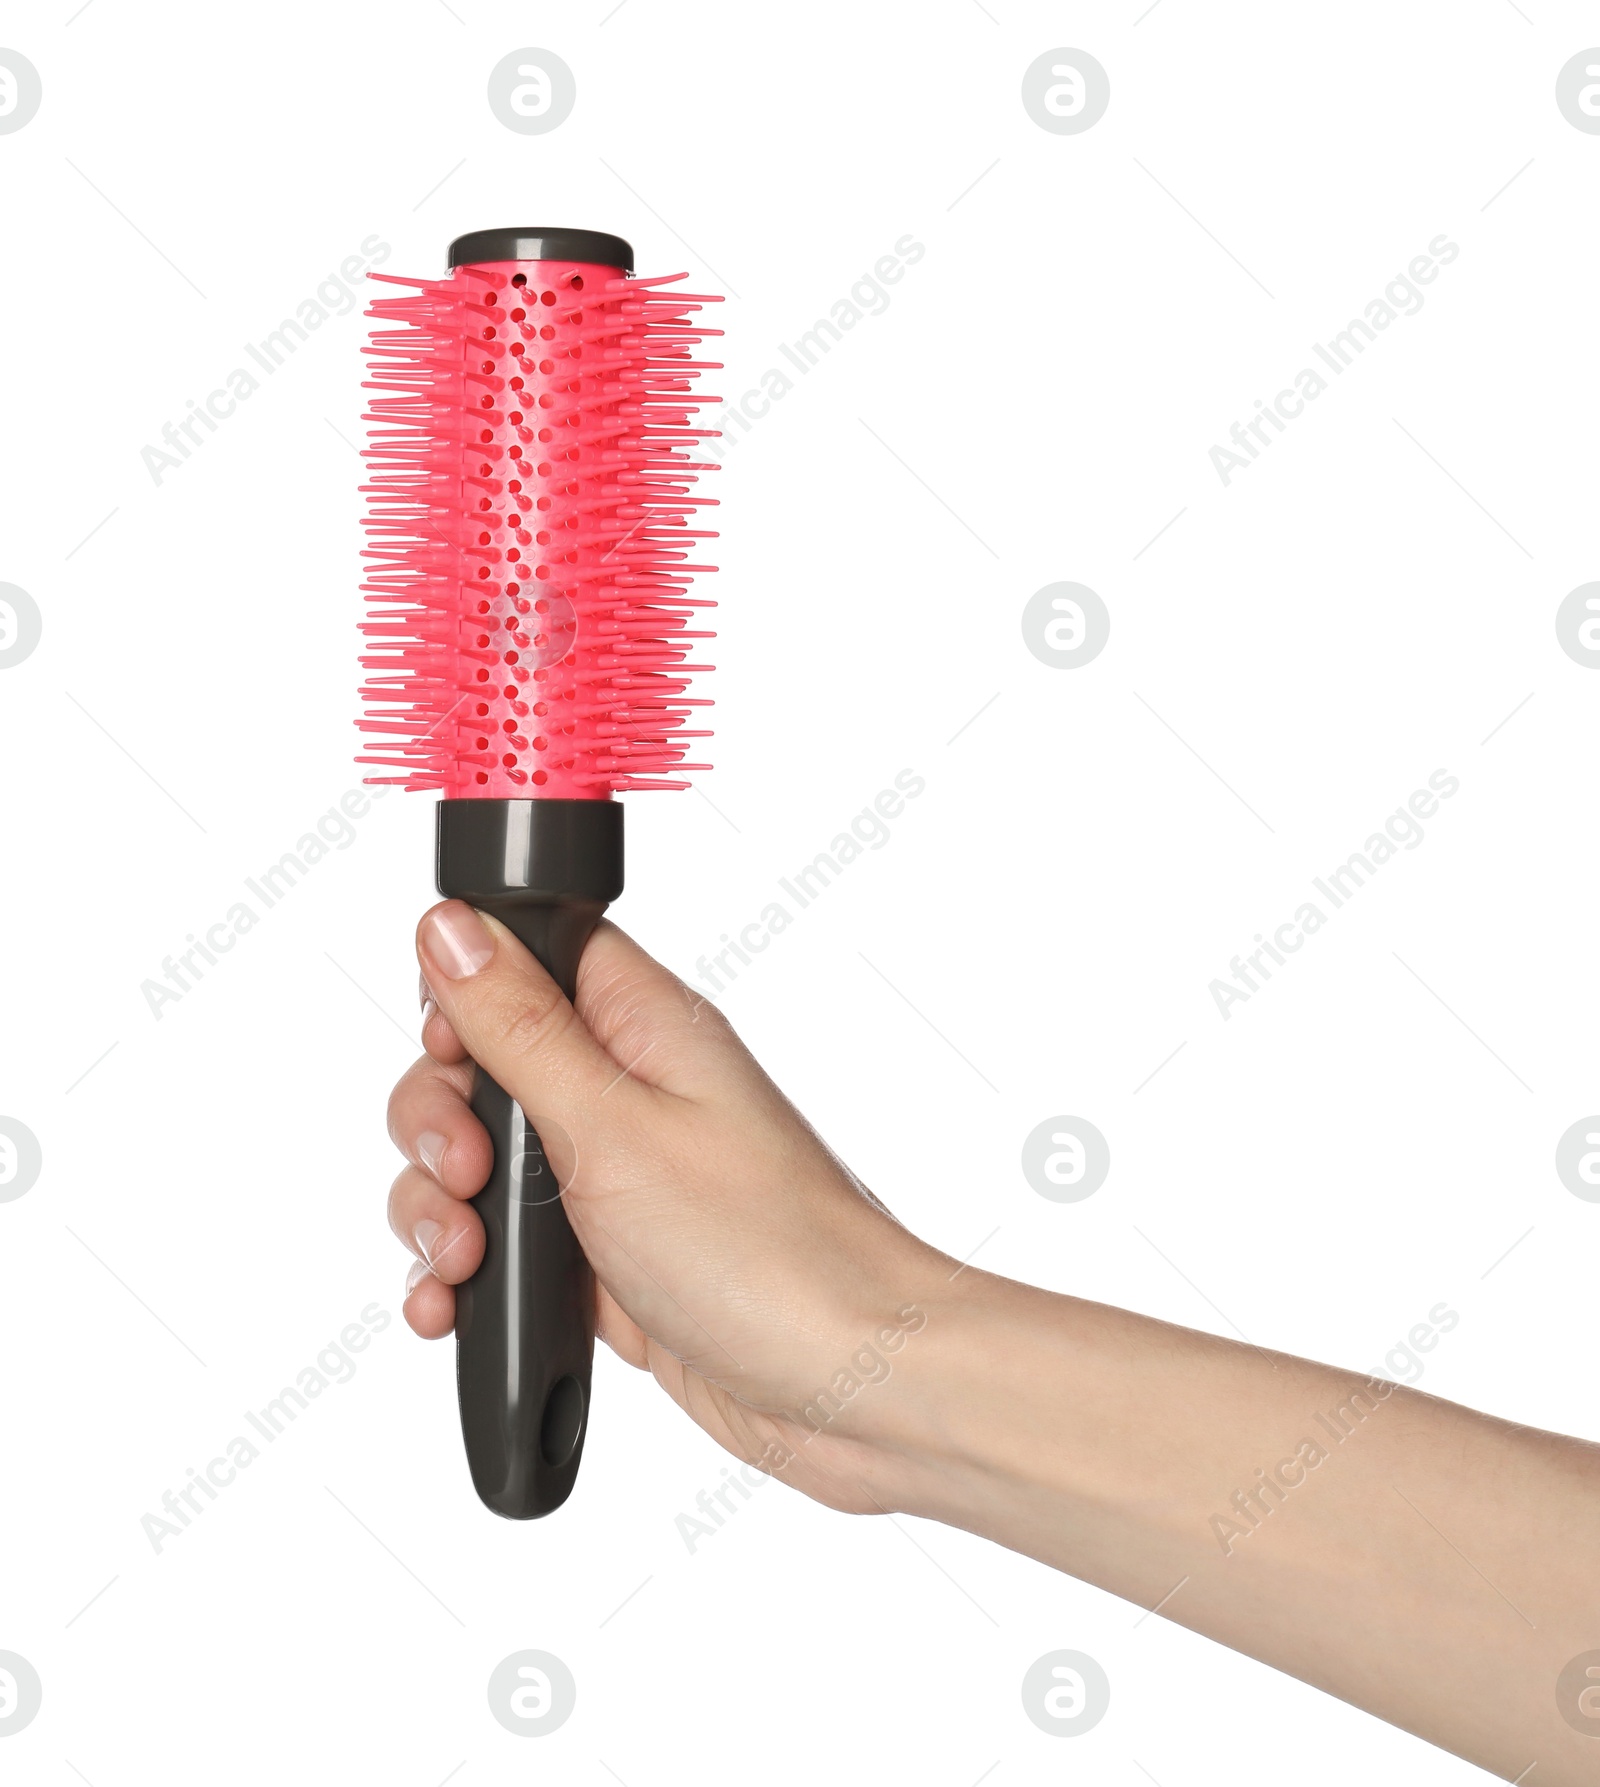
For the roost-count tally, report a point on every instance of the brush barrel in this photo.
(547, 869)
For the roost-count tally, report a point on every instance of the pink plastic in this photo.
(532, 465)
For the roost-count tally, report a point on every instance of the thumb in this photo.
(514, 1020)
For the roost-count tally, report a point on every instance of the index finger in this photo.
(431, 1123)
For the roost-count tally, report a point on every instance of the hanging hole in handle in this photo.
(562, 1422)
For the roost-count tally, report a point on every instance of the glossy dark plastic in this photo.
(547, 869)
(538, 242)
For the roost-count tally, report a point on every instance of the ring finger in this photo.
(442, 1231)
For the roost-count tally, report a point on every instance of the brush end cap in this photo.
(533, 243)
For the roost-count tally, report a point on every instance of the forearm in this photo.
(1435, 1566)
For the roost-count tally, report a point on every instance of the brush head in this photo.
(530, 521)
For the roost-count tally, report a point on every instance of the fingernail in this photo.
(426, 1235)
(416, 1275)
(430, 1151)
(429, 1012)
(457, 941)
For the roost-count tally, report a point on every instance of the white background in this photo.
(1295, 654)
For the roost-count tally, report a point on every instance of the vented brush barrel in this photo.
(547, 869)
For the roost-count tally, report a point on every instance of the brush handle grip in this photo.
(525, 1319)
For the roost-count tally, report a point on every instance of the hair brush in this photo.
(532, 466)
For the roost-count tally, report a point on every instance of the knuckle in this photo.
(526, 1024)
(399, 1100)
(711, 1019)
(425, 1091)
(395, 1207)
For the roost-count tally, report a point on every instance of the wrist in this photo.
(943, 1432)
(1012, 1420)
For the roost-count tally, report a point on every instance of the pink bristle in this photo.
(532, 640)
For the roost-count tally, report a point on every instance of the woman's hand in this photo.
(1433, 1565)
(737, 1259)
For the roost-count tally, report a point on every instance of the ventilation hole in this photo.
(540, 778)
(547, 297)
(514, 486)
(490, 334)
(519, 316)
(516, 418)
(483, 744)
(577, 282)
(480, 778)
(519, 279)
(509, 760)
(541, 743)
(547, 333)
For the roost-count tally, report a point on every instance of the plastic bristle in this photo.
(530, 467)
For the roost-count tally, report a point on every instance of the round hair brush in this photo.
(532, 461)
